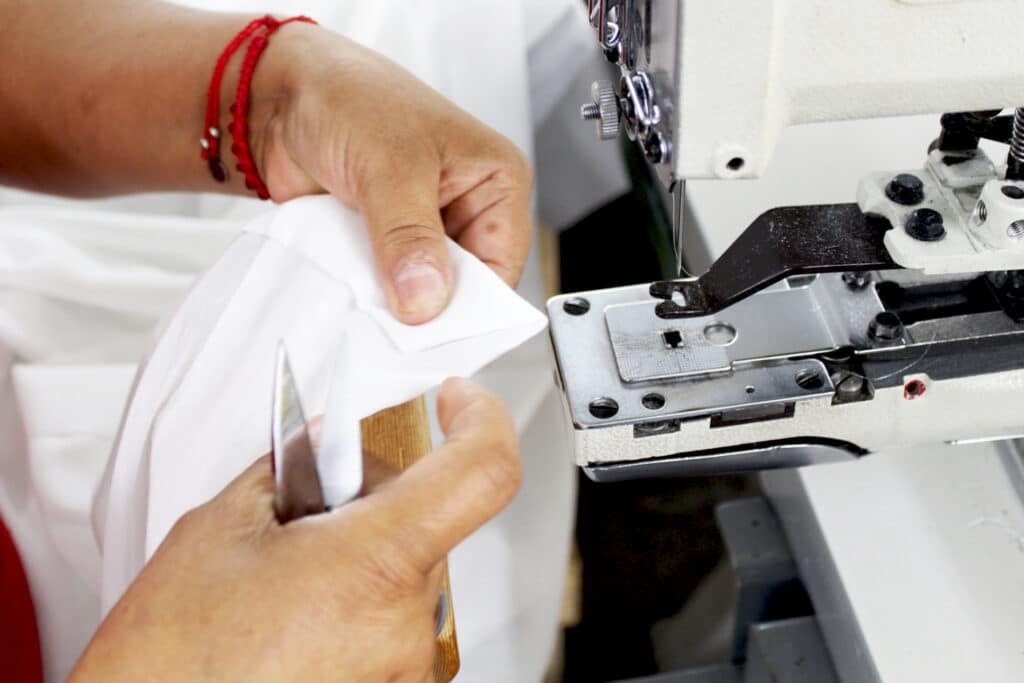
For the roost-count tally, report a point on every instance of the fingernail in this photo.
(421, 288)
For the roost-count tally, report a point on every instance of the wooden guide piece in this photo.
(400, 436)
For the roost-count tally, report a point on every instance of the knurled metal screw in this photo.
(925, 225)
(886, 327)
(603, 110)
(906, 189)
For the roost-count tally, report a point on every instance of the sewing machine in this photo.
(825, 333)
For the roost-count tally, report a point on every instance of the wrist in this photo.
(276, 86)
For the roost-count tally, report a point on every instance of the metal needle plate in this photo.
(616, 368)
(777, 324)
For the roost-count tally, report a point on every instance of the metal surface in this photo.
(779, 324)
(588, 366)
(603, 110)
(767, 582)
(768, 457)
(1015, 158)
(964, 220)
(297, 490)
(640, 36)
(725, 120)
(778, 638)
(804, 380)
(789, 651)
(678, 198)
(935, 532)
(780, 243)
(804, 533)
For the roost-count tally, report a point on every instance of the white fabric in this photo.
(75, 359)
(80, 293)
(200, 412)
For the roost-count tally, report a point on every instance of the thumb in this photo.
(399, 201)
(429, 508)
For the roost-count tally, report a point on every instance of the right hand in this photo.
(349, 121)
(346, 595)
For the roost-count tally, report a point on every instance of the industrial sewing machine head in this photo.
(824, 332)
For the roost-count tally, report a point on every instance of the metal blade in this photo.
(297, 490)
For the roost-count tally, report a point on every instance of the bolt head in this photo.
(925, 225)
(886, 327)
(656, 148)
(857, 280)
(576, 305)
(906, 189)
(849, 387)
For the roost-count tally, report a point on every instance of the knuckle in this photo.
(402, 236)
(501, 471)
(524, 168)
(391, 572)
(518, 164)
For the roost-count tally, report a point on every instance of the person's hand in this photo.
(353, 123)
(347, 595)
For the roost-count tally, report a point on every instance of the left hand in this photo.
(350, 594)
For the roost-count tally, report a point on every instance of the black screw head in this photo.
(653, 401)
(906, 189)
(577, 305)
(857, 279)
(604, 408)
(925, 225)
(1012, 191)
(655, 149)
(886, 327)
(809, 379)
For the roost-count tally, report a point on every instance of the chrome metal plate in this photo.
(775, 324)
(598, 396)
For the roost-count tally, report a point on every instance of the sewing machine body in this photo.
(809, 293)
(889, 327)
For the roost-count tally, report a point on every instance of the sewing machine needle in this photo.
(678, 221)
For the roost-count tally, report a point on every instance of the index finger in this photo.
(491, 219)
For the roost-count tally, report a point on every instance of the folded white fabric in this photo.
(200, 410)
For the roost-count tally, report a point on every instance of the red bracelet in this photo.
(210, 142)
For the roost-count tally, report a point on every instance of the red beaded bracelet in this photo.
(238, 128)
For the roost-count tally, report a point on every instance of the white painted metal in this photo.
(749, 69)
(914, 560)
(967, 408)
(998, 218)
(984, 226)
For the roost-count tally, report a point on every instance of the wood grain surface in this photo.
(400, 436)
